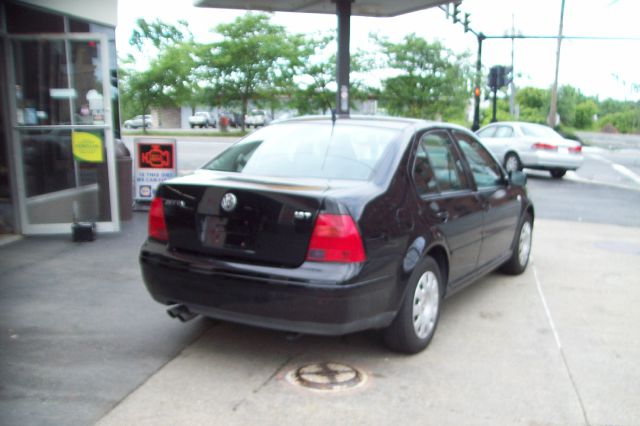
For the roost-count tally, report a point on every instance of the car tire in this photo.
(521, 251)
(192, 126)
(558, 173)
(415, 323)
(512, 162)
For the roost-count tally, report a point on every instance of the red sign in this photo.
(155, 156)
(155, 162)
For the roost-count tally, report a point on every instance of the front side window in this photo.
(445, 173)
(487, 132)
(315, 150)
(484, 168)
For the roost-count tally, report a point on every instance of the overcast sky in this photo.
(598, 68)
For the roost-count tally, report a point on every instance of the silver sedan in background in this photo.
(518, 145)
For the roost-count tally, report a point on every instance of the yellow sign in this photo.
(87, 147)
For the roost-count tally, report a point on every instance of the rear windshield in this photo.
(538, 131)
(308, 150)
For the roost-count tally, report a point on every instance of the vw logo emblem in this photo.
(229, 202)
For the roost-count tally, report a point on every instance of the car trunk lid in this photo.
(240, 219)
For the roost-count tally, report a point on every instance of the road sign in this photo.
(155, 162)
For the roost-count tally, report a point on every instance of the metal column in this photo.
(343, 10)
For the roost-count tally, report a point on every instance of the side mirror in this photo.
(518, 178)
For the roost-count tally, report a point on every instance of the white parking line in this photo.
(546, 307)
(625, 171)
(557, 337)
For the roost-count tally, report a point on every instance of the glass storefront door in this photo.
(63, 132)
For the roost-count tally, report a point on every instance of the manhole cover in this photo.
(327, 376)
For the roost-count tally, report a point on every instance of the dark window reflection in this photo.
(42, 86)
(24, 20)
(50, 167)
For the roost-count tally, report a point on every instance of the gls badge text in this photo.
(302, 215)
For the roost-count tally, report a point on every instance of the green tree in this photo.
(315, 89)
(173, 76)
(158, 34)
(534, 104)
(253, 60)
(138, 92)
(432, 81)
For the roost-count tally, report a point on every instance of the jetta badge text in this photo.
(229, 202)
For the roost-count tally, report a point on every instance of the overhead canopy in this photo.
(380, 8)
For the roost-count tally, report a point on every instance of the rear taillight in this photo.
(544, 146)
(576, 150)
(157, 224)
(335, 238)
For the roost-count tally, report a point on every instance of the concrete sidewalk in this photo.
(558, 345)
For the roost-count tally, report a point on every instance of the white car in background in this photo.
(202, 119)
(257, 118)
(518, 145)
(138, 121)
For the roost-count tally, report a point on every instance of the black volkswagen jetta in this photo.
(331, 227)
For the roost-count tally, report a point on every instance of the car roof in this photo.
(376, 120)
(514, 123)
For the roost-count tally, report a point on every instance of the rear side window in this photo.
(437, 167)
(504, 132)
(317, 150)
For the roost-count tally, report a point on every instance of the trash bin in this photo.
(125, 180)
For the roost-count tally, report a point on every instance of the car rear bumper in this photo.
(299, 300)
(551, 160)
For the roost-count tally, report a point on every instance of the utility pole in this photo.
(512, 97)
(476, 110)
(553, 111)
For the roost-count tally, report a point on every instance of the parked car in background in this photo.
(138, 121)
(202, 119)
(517, 145)
(257, 118)
(331, 227)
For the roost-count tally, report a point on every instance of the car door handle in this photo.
(443, 216)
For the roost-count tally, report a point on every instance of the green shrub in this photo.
(584, 114)
(625, 122)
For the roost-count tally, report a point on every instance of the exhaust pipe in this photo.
(181, 312)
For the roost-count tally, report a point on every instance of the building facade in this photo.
(59, 115)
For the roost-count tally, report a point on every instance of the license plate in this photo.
(213, 232)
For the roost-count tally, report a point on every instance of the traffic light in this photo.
(456, 12)
(476, 92)
(500, 76)
(466, 22)
(493, 77)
